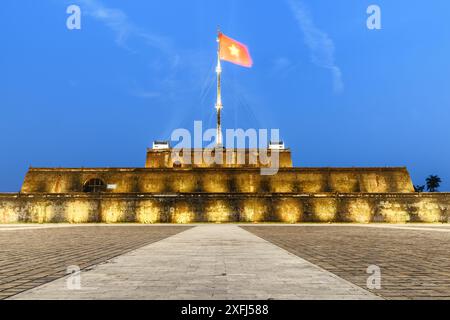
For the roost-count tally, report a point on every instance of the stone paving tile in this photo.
(414, 264)
(206, 262)
(29, 258)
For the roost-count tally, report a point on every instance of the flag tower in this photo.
(235, 52)
(219, 105)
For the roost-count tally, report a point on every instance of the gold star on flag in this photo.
(234, 51)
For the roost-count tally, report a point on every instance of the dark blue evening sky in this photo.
(341, 95)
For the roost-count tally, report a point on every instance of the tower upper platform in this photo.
(218, 158)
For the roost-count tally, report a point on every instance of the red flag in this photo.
(234, 51)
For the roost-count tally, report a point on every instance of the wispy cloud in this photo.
(321, 46)
(118, 21)
(165, 60)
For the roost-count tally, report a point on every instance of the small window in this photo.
(94, 185)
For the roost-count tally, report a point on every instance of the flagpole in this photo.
(219, 93)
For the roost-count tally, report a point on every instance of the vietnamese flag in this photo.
(234, 52)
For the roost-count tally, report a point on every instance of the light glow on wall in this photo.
(77, 211)
(374, 182)
(428, 210)
(41, 212)
(253, 210)
(113, 211)
(215, 183)
(324, 210)
(182, 183)
(218, 211)
(148, 211)
(182, 213)
(393, 212)
(359, 211)
(8, 213)
(289, 210)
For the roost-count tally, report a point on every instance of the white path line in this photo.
(205, 262)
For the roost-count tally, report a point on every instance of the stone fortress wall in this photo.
(163, 192)
(223, 157)
(225, 207)
(221, 180)
(151, 195)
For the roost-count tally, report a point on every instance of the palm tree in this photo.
(433, 183)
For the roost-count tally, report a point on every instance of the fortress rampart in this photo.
(163, 192)
(221, 180)
(225, 207)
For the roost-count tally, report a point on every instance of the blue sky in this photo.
(341, 95)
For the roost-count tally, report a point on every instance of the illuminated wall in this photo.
(187, 208)
(288, 210)
(323, 209)
(149, 211)
(205, 158)
(222, 180)
(393, 212)
(254, 210)
(182, 212)
(430, 210)
(218, 210)
(358, 210)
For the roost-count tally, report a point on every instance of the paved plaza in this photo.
(414, 261)
(224, 261)
(32, 255)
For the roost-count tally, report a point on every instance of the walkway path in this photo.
(205, 262)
